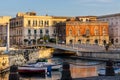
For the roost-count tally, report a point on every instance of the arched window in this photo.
(96, 41)
(96, 31)
(116, 40)
(88, 41)
(87, 32)
(79, 41)
(104, 31)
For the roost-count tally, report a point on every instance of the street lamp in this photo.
(73, 43)
(56, 38)
(8, 38)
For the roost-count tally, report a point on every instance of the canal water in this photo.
(78, 68)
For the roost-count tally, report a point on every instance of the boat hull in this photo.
(31, 70)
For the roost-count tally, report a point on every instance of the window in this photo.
(41, 22)
(81, 20)
(45, 23)
(35, 31)
(78, 32)
(87, 32)
(41, 31)
(34, 22)
(116, 40)
(96, 31)
(47, 31)
(29, 23)
(104, 31)
(87, 20)
(29, 31)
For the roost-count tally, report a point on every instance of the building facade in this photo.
(75, 31)
(3, 29)
(114, 27)
(29, 28)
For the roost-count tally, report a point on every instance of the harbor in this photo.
(72, 60)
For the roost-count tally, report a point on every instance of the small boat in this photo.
(39, 67)
(101, 72)
(31, 69)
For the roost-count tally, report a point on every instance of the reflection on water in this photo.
(4, 76)
(55, 76)
(77, 68)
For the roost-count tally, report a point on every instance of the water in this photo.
(78, 67)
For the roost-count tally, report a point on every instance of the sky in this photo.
(60, 7)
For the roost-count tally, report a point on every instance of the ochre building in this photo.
(83, 30)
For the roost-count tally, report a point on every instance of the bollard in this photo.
(66, 75)
(109, 68)
(49, 71)
(13, 73)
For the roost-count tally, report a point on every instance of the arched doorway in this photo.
(79, 41)
(87, 41)
(96, 41)
(71, 41)
(104, 42)
(112, 41)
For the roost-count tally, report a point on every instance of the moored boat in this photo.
(31, 69)
(39, 67)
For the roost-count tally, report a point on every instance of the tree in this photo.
(46, 38)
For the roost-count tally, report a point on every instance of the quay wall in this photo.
(106, 55)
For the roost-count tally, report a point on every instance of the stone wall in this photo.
(107, 55)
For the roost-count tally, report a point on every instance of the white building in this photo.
(29, 28)
(114, 27)
(3, 29)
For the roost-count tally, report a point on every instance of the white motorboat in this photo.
(38, 67)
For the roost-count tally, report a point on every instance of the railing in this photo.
(76, 48)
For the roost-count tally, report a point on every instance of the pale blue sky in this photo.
(60, 7)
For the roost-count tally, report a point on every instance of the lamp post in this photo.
(73, 43)
(56, 38)
(8, 38)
